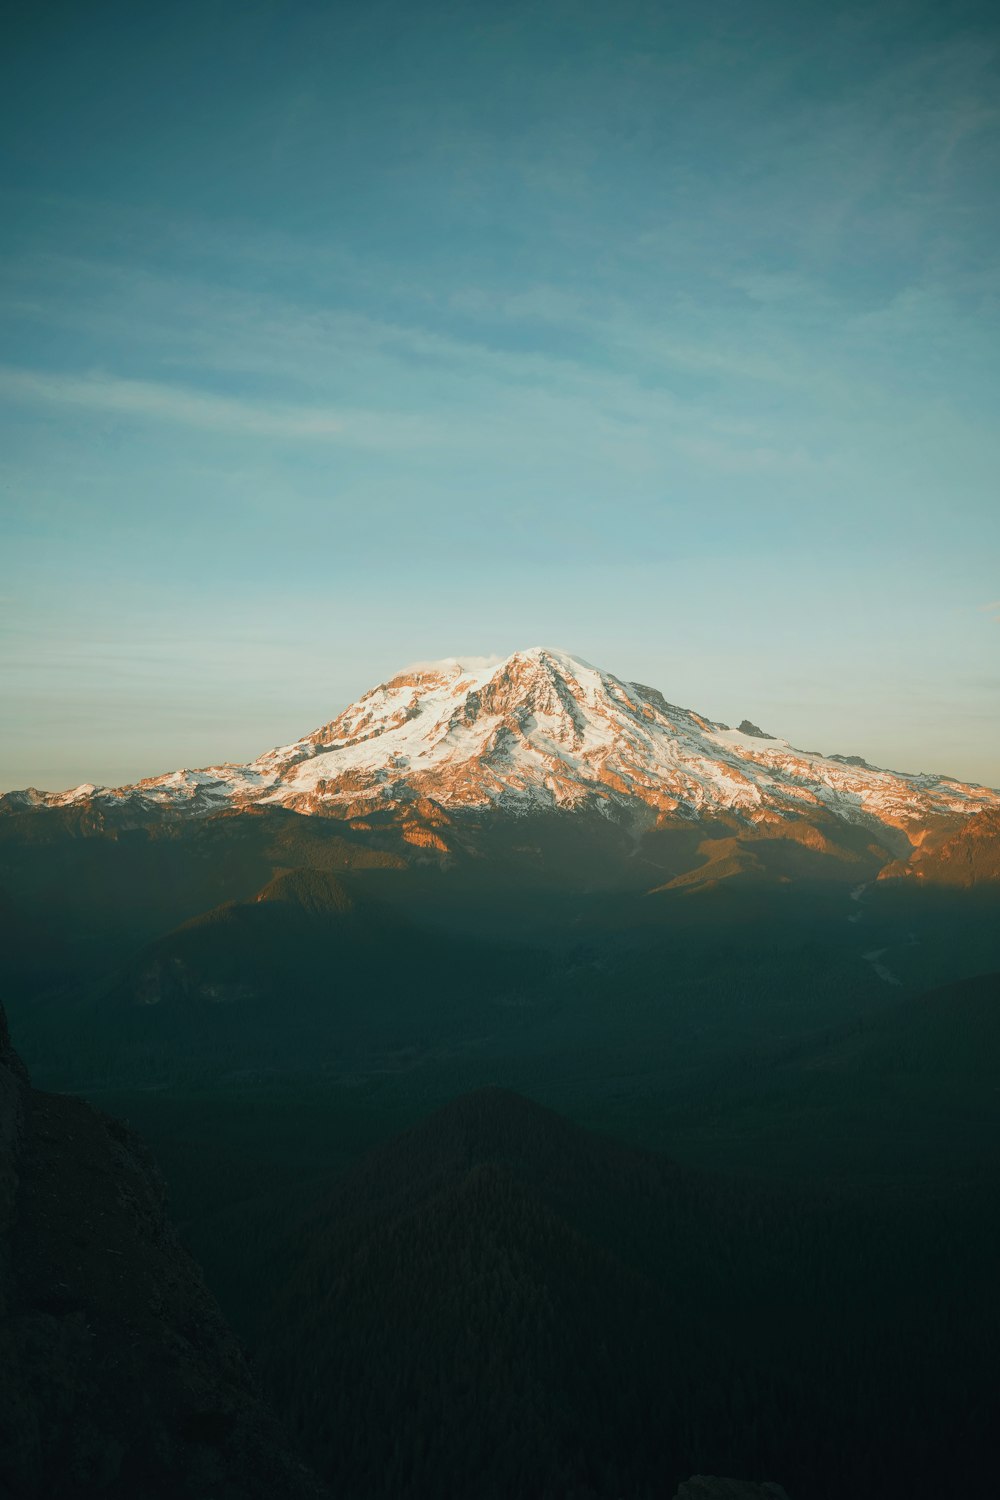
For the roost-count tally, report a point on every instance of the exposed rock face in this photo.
(708, 1487)
(118, 1376)
(747, 726)
(966, 857)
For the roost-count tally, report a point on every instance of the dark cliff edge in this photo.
(118, 1374)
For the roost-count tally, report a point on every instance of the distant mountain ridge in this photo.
(540, 731)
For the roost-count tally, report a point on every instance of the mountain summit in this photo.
(541, 730)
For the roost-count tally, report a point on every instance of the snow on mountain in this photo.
(542, 729)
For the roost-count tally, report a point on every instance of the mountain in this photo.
(499, 1303)
(315, 966)
(311, 971)
(441, 744)
(118, 1375)
(471, 1312)
(298, 931)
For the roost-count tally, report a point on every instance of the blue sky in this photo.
(335, 337)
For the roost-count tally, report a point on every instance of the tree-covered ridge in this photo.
(497, 1303)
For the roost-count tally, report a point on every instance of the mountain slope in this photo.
(541, 730)
(478, 1288)
(312, 971)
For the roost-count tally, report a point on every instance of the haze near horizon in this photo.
(334, 339)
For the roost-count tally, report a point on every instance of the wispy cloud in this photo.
(436, 380)
(190, 406)
(476, 365)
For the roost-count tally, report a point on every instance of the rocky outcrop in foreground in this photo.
(118, 1375)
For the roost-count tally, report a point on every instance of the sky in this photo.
(338, 336)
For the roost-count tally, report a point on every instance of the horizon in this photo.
(336, 338)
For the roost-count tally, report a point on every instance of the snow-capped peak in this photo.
(545, 729)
